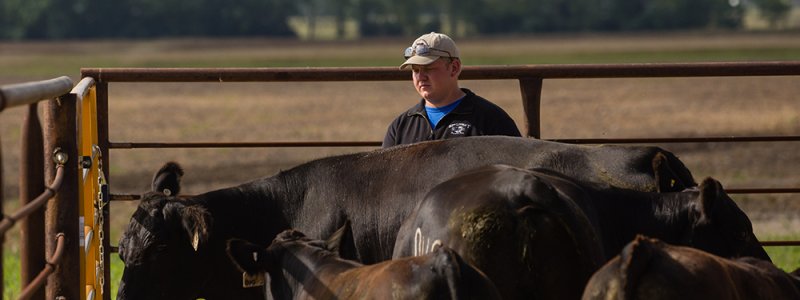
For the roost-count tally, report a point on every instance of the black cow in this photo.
(703, 217)
(479, 214)
(651, 269)
(375, 190)
(302, 268)
(530, 237)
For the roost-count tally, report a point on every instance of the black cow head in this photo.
(720, 227)
(164, 238)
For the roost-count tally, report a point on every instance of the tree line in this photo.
(84, 19)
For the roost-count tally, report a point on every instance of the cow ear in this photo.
(195, 221)
(334, 242)
(342, 242)
(710, 191)
(248, 257)
(634, 259)
(167, 180)
(666, 178)
(663, 176)
(670, 174)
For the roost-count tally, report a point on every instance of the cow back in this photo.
(377, 190)
(514, 226)
(650, 269)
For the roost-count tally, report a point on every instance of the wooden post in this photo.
(531, 89)
(62, 211)
(31, 185)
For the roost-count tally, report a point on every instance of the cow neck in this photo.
(247, 209)
(314, 270)
(287, 190)
(672, 214)
(663, 215)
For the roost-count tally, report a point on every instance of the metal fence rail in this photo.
(32, 169)
(529, 77)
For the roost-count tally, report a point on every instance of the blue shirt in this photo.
(435, 114)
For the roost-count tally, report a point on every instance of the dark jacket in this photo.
(472, 117)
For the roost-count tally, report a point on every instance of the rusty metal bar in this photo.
(718, 139)
(54, 260)
(31, 184)
(62, 213)
(129, 145)
(763, 191)
(700, 69)
(31, 92)
(136, 197)
(124, 197)
(26, 210)
(780, 243)
(531, 89)
(137, 145)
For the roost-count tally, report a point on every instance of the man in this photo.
(445, 110)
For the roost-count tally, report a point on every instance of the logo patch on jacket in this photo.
(458, 128)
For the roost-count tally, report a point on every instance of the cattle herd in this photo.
(473, 218)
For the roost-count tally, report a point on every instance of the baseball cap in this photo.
(428, 48)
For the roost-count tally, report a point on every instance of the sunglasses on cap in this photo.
(423, 50)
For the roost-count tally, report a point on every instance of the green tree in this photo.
(18, 16)
(775, 11)
(341, 10)
(374, 18)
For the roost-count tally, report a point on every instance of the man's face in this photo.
(434, 81)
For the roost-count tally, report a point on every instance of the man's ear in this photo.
(456, 67)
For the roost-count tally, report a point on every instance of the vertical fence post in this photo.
(62, 211)
(31, 185)
(102, 140)
(531, 89)
(3, 236)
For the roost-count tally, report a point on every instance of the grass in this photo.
(785, 257)
(360, 111)
(11, 277)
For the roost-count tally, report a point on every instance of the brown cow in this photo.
(302, 268)
(651, 269)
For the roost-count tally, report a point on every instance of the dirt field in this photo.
(361, 111)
